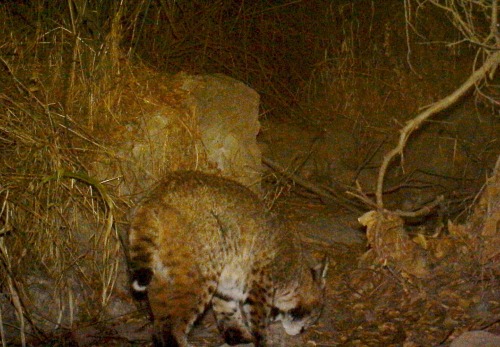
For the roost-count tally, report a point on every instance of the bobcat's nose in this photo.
(293, 329)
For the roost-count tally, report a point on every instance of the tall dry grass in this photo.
(59, 247)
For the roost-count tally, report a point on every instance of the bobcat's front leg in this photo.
(257, 309)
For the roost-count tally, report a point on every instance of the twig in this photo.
(494, 23)
(367, 159)
(360, 195)
(22, 87)
(491, 63)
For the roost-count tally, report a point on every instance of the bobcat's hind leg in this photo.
(165, 334)
(175, 308)
(171, 327)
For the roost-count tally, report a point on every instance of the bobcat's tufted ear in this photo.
(319, 271)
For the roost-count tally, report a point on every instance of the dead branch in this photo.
(327, 194)
(489, 64)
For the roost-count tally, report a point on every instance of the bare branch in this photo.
(490, 64)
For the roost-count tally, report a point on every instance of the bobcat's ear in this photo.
(319, 271)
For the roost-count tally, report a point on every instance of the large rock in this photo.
(227, 112)
(207, 123)
(476, 339)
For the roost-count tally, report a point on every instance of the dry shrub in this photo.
(449, 264)
(59, 250)
(472, 247)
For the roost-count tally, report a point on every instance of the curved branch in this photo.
(490, 64)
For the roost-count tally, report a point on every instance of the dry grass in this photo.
(60, 251)
(48, 201)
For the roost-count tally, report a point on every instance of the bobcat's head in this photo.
(304, 305)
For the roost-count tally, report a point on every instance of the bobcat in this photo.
(200, 240)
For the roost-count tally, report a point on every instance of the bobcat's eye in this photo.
(299, 313)
(275, 312)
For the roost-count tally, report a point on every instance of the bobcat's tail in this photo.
(143, 235)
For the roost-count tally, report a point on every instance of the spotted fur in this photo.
(199, 240)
